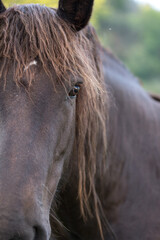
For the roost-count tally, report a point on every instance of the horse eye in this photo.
(73, 93)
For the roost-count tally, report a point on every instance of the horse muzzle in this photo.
(14, 227)
(24, 232)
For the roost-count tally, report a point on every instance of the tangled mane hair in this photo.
(36, 32)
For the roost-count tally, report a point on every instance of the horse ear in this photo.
(75, 12)
(2, 7)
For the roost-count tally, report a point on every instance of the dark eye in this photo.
(73, 93)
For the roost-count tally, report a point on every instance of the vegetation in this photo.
(130, 31)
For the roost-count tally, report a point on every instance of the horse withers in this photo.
(79, 137)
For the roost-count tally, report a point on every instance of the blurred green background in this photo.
(130, 30)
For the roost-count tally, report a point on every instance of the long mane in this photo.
(33, 31)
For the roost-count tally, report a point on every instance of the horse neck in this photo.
(133, 117)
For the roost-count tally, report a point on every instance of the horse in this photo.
(79, 136)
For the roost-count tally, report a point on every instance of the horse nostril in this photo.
(40, 233)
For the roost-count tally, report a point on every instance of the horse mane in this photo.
(29, 32)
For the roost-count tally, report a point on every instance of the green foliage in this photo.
(122, 5)
(133, 34)
(152, 86)
(49, 3)
(146, 50)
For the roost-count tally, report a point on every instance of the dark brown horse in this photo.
(79, 137)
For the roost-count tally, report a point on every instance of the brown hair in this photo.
(34, 31)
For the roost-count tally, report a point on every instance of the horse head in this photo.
(43, 59)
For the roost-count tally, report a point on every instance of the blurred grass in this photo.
(152, 86)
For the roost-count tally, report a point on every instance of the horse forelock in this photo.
(32, 32)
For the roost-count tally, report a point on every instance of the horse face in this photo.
(37, 128)
(37, 133)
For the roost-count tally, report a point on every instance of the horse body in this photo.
(57, 179)
(130, 188)
(133, 154)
